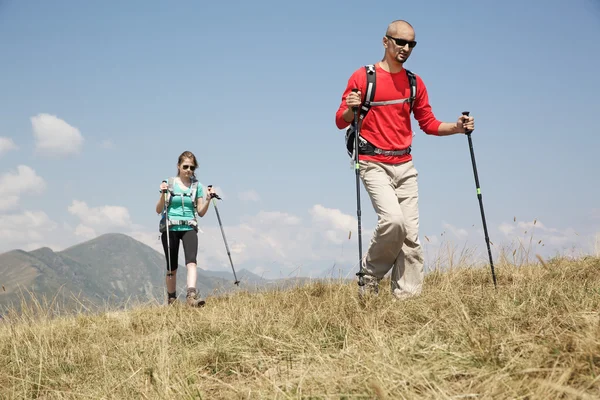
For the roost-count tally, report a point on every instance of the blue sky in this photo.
(252, 89)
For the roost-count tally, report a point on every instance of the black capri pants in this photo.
(190, 246)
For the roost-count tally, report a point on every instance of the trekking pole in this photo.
(487, 239)
(166, 193)
(215, 196)
(360, 272)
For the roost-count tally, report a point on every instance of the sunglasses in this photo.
(190, 167)
(402, 42)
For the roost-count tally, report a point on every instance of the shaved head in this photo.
(398, 27)
(398, 42)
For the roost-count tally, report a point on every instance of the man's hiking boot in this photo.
(192, 298)
(370, 289)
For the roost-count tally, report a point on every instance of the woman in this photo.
(183, 225)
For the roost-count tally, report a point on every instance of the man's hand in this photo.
(352, 100)
(465, 124)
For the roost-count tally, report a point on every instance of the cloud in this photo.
(98, 220)
(333, 223)
(6, 145)
(460, 233)
(28, 230)
(13, 184)
(544, 239)
(278, 243)
(55, 137)
(249, 196)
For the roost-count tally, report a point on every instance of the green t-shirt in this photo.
(182, 207)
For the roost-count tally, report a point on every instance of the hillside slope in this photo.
(536, 337)
(109, 269)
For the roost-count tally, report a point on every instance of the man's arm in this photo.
(448, 128)
(429, 123)
(344, 114)
(460, 126)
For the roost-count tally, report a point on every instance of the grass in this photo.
(537, 336)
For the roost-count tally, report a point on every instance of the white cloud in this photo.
(334, 224)
(460, 233)
(98, 220)
(85, 231)
(536, 237)
(54, 136)
(6, 145)
(275, 242)
(249, 196)
(28, 230)
(8, 202)
(14, 184)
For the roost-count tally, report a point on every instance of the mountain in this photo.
(112, 268)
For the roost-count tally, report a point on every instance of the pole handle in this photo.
(355, 90)
(466, 113)
(214, 195)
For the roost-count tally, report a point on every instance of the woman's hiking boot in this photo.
(192, 298)
(172, 298)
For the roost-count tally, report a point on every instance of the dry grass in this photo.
(536, 337)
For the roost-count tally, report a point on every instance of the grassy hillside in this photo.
(536, 337)
(109, 269)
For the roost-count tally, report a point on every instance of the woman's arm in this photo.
(202, 206)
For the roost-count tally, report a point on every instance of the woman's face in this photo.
(186, 168)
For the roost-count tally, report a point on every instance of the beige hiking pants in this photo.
(395, 244)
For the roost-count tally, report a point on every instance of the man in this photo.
(390, 178)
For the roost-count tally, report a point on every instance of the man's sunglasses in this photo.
(190, 167)
(402, 42)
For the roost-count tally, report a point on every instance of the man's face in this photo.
(399, 43)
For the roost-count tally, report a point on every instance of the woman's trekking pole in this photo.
(166, 193)
(360, 272)
(487, 239)
(214, 197)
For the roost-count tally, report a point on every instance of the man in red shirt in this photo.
(386, 167)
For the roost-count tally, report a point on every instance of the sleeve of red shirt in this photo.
(358, 80)
(422, 110)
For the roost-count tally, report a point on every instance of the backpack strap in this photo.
(369, 92)
(193, 191)
(412, 81)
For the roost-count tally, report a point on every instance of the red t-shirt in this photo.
(388, 126)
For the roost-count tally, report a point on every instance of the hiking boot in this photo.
(193, 300)
(370, 288)
(172, 300)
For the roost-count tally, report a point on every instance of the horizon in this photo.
(117, 93)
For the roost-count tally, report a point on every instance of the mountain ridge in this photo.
(110, 268)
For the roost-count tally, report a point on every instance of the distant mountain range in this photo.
(109, 269)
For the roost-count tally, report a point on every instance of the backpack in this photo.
(192, 194)
(365, 147)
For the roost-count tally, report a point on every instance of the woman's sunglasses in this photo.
(190, 167)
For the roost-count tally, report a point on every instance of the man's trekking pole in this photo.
(360, 272)
(166, 193)
(487, 239)
(214, 197)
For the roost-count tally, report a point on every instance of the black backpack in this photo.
(365, 146)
